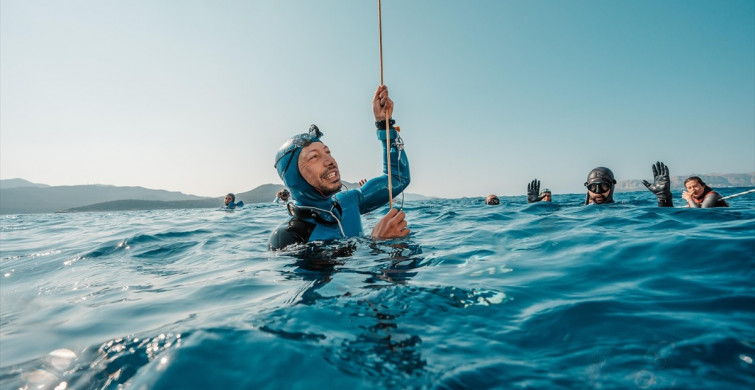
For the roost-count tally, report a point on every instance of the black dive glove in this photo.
(661, 186)
(533, 192)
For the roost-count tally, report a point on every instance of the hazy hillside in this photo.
(262, 194)
(15, 183)
(22, 200)
(125, 205)
(19, 196)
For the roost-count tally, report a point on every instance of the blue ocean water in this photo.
(542, 296)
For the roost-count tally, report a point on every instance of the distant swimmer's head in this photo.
(230, 198)
(546, 194)
(600, 185)
(306, 166)
(492, 200)
(284, 194)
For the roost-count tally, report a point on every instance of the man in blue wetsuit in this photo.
(230, 201)
(321, 211)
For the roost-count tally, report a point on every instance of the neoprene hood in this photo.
(287, 165)
(601, 175)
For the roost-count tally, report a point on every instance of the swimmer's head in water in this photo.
(287, 165)
(600, 185)
(696, 187)
(230, 198)
(697, 179)
(492, 200)
(546, 194)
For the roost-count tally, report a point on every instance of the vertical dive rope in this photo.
(387, 119)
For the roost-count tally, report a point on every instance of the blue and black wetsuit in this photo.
(315, 217)
(231, 202)
(233, 205)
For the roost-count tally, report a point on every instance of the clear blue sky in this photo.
(197, 96)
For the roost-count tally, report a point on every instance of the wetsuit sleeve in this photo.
(711, 199)
(374, 193)
(293, 231)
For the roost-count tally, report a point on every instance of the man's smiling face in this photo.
(318, 167)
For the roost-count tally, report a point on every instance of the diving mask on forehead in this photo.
(293, 144)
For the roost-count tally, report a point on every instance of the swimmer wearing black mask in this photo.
(600, 186)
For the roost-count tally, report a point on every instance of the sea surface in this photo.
(516, 296)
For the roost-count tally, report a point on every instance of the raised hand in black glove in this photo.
(661, 186)
(533, 192)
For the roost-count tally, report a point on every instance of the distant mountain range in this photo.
(15, 183)
(19, 196)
